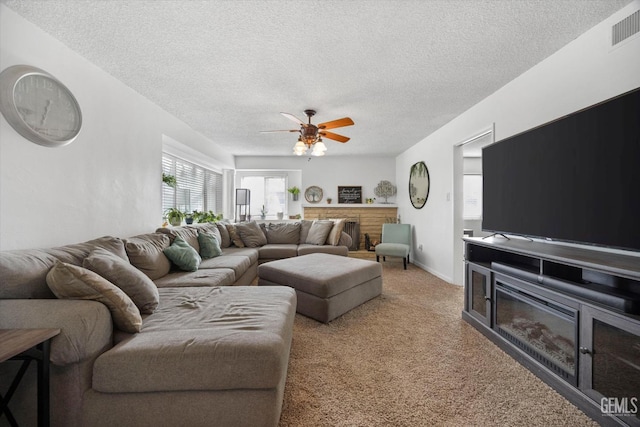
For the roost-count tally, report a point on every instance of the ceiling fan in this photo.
(311, 135)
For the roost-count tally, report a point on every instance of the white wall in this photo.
(108, 180)
(585, 72)
(330, 172)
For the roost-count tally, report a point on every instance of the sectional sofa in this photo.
(146, 338)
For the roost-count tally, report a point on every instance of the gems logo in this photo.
(624, 406)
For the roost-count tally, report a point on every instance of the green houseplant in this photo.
(295, 192)
(170, 180)
(206, 216)
(174, 216)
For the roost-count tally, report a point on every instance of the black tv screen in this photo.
(575, 179)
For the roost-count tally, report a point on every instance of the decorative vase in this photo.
(280, 215)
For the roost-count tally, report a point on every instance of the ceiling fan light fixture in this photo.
(318, 149)
(300, 148)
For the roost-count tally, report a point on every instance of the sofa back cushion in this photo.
(251, 234)
(145, 252)
(188, 234)
(73, 282)
(283, 233)
(225, 239)
(305, 226)
(23, 272)
(142, 291)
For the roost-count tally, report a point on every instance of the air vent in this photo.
(625, 28)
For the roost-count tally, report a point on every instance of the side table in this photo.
(27, 345)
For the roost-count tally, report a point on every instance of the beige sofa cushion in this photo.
(225, 241)
(72, 282)
(217, 338)
(336, 231)
(142, 291)
(202, 277)
(251, 234)
(145, 252)
(283, 233)
(234, 235)
(23, 272)
(188, 234)
(319, 232)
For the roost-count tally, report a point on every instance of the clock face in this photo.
(38, 106)
(47, 107)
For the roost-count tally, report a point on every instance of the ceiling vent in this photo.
(625, 28)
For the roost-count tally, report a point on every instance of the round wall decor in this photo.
(38, 106)
(313, 194)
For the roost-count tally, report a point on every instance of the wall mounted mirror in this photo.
(419, 185)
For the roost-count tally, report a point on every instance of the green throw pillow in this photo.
(183, 255)
(209, 245)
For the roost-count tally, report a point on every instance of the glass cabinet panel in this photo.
(479, 293)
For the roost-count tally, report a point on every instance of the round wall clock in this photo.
(38, 106)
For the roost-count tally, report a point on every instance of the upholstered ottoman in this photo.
(327, 285)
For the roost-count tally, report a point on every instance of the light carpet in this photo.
(407, 358)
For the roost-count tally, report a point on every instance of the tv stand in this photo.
(584, 303)
(496, 234)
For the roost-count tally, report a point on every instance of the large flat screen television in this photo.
(575, 179)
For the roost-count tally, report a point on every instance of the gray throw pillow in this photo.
(145, 253)
(318, 232)
(225, 239)
(305, 226)
(133, 282)
(251, 234)
(68, 281)
(283, 233)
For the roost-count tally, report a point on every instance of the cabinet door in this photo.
(479, 293)
(610, 363)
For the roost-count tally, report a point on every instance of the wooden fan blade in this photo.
(272, 131)
(345, 121)
(334, 136)
(292, 117)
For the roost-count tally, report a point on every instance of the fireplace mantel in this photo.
(370, 216)
(350, 205)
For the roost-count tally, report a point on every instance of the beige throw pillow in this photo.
(142, 291)
(318, 232)
(68, 281)
(234, 235)
(336, 231)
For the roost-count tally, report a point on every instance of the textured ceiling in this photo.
(399, 69)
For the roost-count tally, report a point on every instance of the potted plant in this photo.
(170, 180)
(263, 213)
(188, 218)
(208, 216)
(174, 216)
(295, 191)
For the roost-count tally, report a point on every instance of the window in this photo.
(472, 190)
(267, 191)
(196, 188)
